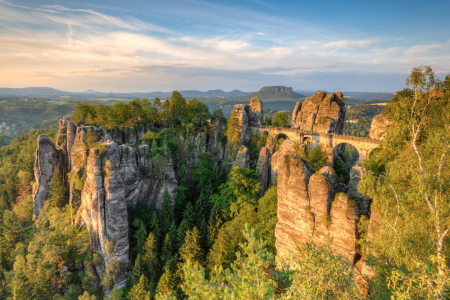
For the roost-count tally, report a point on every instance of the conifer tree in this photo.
(191, 248)
(140, 291)
(150, 258)
(140, 235)
(155, 228)
(233, 131)
(139, 269)
(58, 191)
(214, 225)
(187, 223)
(166, 212)
(203, 234)
(169, 244)
(166, 284)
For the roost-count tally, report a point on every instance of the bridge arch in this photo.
(352, 152)
(276, 139)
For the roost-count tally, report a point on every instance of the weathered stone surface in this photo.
(242, 158)
(343, 231)
(321, 193)
(379, 125)
(287, 148)
(295, 221)
(320, 112)
(242, 116)
(263, 169)
(356, 173)
(48, 160)
(255, 112)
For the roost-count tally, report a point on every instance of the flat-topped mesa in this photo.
(277, 89)
(321, 112)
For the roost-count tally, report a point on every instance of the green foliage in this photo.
(177, 108)
(247, 278)
(373, 164)
(322, 274)
(233, 132)
(341, 171)
(140, 291)
(59, 193)
(267, 218)
(281, 120)
(364, 114)
(315, 157)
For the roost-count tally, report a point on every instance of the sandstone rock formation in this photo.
(312, 205)
(379, 126)
(320, 112)
(255, 112)
(242, 158)
(242, 116)
(48, 160)
(115, 173)
(277, 89)
(263, 169)
(356, 173)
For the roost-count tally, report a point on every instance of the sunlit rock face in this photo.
(379, 126)
(321, 112)
(312, 206)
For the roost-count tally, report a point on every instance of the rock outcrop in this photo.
(242, 157)
(379, 125)
(312, 205)
(321, 112)
(277, 89)
(108, 171)
(356, 173)
(242, 116)
(255, 112)
(263, 169)
(48, 160)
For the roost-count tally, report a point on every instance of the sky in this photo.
(144, 45)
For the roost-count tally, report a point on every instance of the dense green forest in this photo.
(221, 242)
(364, 114)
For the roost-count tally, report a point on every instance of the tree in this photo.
(280, 120)
(177, 109)
(411, 196)
(267, 218)
(166, 285)
(314, 156)
(246, 188)
(150, 259)
(166, 212)
(140, 291)
(59, 193)
(233, 132)
(215, 223)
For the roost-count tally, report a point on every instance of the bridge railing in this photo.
(334, 135)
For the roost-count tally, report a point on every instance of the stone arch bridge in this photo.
(329, 141)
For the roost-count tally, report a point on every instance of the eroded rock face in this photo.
(320, 112)
(263, 169)
(311, 205)
(344, 227)
(48, 160)
(242, 116)
(379, 126)
(255, 112)
(356, 173)
(242, 158)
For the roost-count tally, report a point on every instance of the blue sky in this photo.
(126, 46)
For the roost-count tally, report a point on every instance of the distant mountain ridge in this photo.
(46, 91)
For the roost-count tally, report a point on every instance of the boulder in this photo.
(379, 126)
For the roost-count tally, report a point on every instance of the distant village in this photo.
(6, 129)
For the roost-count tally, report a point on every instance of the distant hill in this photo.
(46, 91)
(273, 93)
(32, 91)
